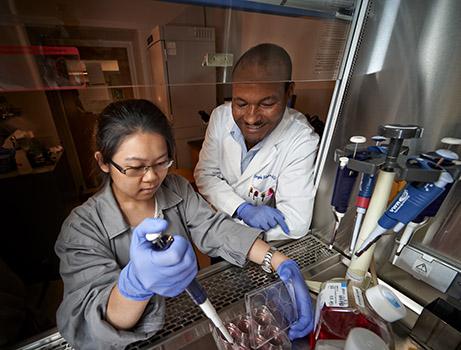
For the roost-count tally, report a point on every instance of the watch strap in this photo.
(266, 265)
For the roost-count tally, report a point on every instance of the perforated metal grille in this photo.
(224, 288)
(51, 342)
(230, 286)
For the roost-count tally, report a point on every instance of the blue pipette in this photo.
(194, 289)
(431, 210)
(344, 183)
(407, 205)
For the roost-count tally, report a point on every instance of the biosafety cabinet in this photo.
(361, 68)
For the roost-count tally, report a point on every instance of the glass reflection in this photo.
(62, 63)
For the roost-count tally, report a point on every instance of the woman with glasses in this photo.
(114, 282)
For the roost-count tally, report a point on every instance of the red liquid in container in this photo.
(337, 325)
(343, 307)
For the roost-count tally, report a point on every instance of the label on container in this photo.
(358, 296)
(334, 294)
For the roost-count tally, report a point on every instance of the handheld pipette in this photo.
(431, 210)
(444, 156)
(378, 147)
(340, 200)
(367, 184)
(344, 183)
(195, 290)
(408, 204)
(396, 134)
(363, 199)
(411, 227)
(451, 141)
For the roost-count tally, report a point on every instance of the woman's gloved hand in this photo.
(262, 216)
(289, 272)
(150, 272)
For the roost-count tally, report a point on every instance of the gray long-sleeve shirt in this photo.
(93, 247)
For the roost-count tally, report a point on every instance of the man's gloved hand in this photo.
(261, 216)
(150, 272)
(289, 273)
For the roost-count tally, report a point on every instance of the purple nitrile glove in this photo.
(261, 216)
(150, 272)
(289, 272)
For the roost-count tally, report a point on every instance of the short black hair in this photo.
(268, 56)
(123, 118)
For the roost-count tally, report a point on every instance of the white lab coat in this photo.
(284, 166)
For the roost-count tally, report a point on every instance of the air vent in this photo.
(203, 33)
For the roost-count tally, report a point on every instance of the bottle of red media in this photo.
(342, 306)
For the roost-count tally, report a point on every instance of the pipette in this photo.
(344, 183)
(363, 199)
(367, 184)
(410, 202)
(431, 210)
(411, 227)
(195, 290)
(451, 141)
(340, 199)
(396, 134)
(378, 147)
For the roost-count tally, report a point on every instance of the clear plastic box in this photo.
(263, 322)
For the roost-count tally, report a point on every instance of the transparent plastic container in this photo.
(263, 322)
(342, 306)
(357, 339)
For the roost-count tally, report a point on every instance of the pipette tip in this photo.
(226, 334)
(211, 313)
(363, 248)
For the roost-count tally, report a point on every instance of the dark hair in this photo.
(124, 118)
(266, 55)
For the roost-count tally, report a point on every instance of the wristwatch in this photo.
(266, 264)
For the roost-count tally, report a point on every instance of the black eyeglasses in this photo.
(139, 171)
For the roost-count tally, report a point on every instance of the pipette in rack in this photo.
(396, 134)
(408, 204)
(344, 183)
(445, 158)
(367, 184)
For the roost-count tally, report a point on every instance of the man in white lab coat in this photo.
(257, 160)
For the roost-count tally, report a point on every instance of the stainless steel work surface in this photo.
(187, 328)
(226, 285)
